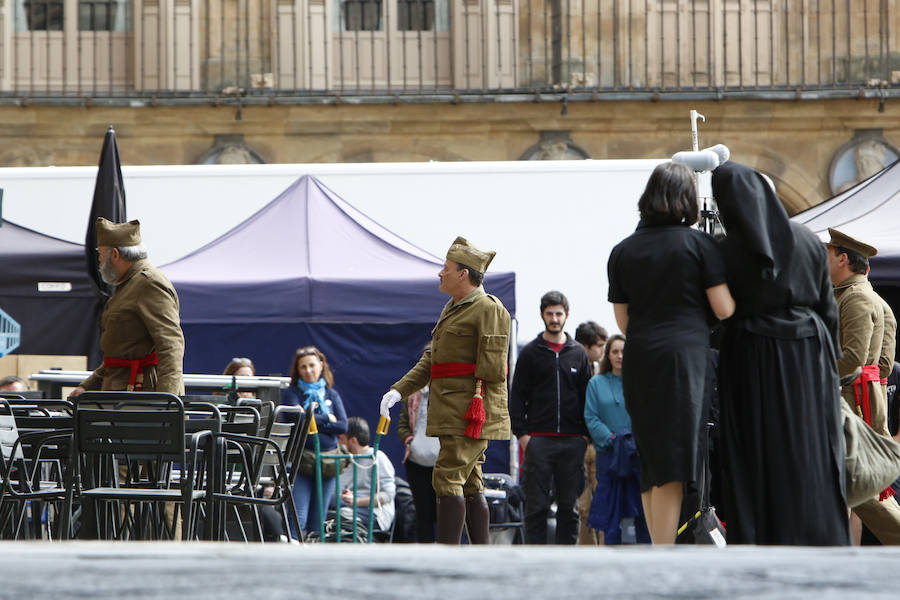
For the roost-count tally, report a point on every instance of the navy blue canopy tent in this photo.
(308, 268)
(47, 291)
(869, 211)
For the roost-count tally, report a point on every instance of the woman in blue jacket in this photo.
(312, 381)
(618, 492)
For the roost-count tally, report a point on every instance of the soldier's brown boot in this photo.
(478, 519)
(451, 512)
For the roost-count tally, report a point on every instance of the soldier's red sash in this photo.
(441, 370)
(475, 415)
(861, 393)
(137, 364)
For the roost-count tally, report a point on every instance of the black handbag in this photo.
(704, 527)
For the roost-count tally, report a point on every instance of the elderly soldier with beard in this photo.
(141, 339)
(546, 408)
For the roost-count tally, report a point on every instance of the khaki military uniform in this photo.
(863, 340)
(862, 337)
(475, 330)
(140, 318)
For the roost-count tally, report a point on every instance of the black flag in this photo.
(109, 202)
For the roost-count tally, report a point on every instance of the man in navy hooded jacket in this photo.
(546, 408)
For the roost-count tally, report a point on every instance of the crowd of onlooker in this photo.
(562, 468)
(612, 444)
(312, 387)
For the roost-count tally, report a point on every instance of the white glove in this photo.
(387, 401)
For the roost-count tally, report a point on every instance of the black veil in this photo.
(753, 217)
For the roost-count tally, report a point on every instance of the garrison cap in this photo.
(464, 253)
(118, 235)
(845, 241)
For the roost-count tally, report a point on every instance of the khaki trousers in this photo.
(882, 519)
(457, 471)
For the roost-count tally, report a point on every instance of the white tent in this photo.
(552, 222)
(869, 211)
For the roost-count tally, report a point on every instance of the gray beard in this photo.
(108, 273)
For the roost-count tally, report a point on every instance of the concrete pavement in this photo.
(199, 571)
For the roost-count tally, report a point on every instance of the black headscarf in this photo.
(753, 216)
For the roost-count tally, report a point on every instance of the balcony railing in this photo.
(383, 50)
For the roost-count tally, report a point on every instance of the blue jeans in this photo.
(308, 504)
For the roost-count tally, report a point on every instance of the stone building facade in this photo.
(809, 93)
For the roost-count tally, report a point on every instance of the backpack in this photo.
(404, 513)
(504, 497)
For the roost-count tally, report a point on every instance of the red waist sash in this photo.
(441, 370)
(135, 365)
(475, 414)
(861, 391)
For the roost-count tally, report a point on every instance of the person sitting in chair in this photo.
(357, 441)
(13, 384)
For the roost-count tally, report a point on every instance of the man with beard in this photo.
(141, 339)
(546, 408)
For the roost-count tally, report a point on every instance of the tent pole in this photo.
(513, 357)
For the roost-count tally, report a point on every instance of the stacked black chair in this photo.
(33, 467)
(243, 458)
(126, 446)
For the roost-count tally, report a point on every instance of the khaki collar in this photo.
(854, 279)
(134, 268)
(471, 297)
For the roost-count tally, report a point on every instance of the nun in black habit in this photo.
(782, 446)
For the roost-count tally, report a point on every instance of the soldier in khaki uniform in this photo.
(466, 367)
(141, 340)
(863, 341)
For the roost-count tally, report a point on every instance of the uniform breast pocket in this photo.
(123, 322)
(458, 338)
(115, 318)
(460, 331)
(456, 345)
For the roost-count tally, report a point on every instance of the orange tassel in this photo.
(476, 417)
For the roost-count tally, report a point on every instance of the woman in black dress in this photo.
(663, 279)
(781, 444)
